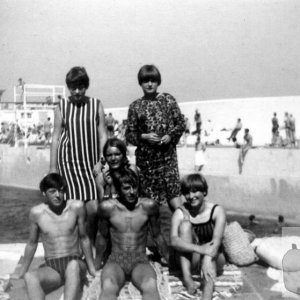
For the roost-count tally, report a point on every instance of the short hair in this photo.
(124, 176)
(147, 72)
(115, 142)
(246, 130)
(195, 182)
(53, 180)
(77, 76)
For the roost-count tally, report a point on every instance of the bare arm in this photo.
(55, 140)
(219, 218)
(31, 245)
(102, 234)
(159, 240)
(85, 241)
(101, 128)
(179, 244)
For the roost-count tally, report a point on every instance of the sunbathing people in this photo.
(196, 233)
(61, 225)
(126, 219)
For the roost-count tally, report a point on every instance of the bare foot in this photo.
(190, 285)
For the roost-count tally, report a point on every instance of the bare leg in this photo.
(185, 233)
(75, 273)
(112, 280)
(144, 278)
(209, 280)
(91, 222)
(41, 282)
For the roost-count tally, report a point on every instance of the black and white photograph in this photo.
(150, 150)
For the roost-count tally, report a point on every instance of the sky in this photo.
(205, 49)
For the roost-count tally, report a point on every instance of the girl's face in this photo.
(194, 198)
(77, 91)
(114, 157)
(149, 87)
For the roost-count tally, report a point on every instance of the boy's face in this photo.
(55, 197)
(129, 194)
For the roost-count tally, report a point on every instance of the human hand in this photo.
(209, 249)
(152, 138)
(166, 139)
(107, 177)
(97, 168)
(92, 270)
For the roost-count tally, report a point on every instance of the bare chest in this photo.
(127, 221)
(57, 225)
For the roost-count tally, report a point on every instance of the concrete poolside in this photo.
(269, 184)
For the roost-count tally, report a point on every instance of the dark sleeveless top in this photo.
(204, 231)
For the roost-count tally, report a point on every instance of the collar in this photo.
(154, 98)
(84, 100)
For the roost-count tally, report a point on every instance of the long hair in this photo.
(115, 142)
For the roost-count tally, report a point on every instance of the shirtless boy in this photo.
(127, 220)
(61, 225)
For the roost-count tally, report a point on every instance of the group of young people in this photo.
(120, 204)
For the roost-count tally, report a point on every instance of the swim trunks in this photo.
(128, 260)
(60, 264)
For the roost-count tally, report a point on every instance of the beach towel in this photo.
(170, 285)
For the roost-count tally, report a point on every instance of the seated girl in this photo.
(115, 155)
(196, 234)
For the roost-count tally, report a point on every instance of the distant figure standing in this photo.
(187, 125)
(21, 85)
(248, 143)
(110, 125)
(236, 129)
(275, 127)
(292, 130)
(287, 128)
(198, 122)
(199, 155)
(47, 132)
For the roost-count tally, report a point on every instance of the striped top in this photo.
(78, 149)
(205, 230)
